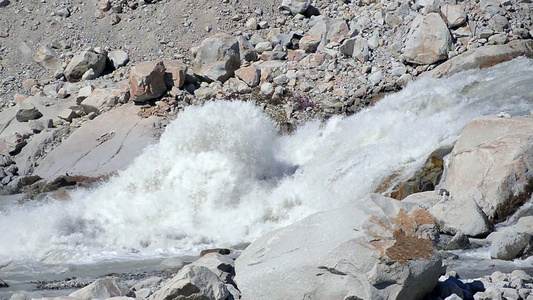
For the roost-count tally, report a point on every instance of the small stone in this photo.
(267, 88)
(27, 112)
(118, 58)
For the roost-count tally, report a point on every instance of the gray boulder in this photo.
(429, 41)
(295, 6)
(83, 62)
(217, 58)
(509, 245)
(118, 58)
(102, 289)
(376, 248)
(193, 283)
(491, 165)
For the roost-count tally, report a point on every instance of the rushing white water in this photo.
(221, 175)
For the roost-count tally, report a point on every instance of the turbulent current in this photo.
(221, 175)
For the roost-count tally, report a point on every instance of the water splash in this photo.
(221, 175)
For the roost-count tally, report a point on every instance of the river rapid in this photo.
(221, 175)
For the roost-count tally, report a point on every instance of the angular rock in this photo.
(247, 50)
(118, 58)
(4, 3)
(483, 57)
(175, 73)
(217, 59)
(454, 15)
(295, 6)
(39, 125)
(67, 114)
(172, 264)
(221, 265)
(27, 112)
(3, 284)
(193, 282)
(454, 215)
(47, 58)
(379, 248)
(491, 165)
(250, 75)
(309, 43)
(147, 81)
(83, 62)
(459, 241)
(360, 50)
(509, 245)
(429, 41)
(102, 289)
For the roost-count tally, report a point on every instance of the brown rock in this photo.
(175, 73)
(309, 43)
(147, 81)
(250, 75)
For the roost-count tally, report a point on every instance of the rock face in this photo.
(83, 62)
(429, 41)
(147, 81)
(491, 165)
(217, 59)
(102, 146)
(378, 249)
(193, 282)
(102, 289)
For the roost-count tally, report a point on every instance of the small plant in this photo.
(304, 102)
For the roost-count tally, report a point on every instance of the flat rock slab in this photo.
(483, 57)
(104, 145)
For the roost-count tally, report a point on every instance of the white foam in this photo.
(221, 175)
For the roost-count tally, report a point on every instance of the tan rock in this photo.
(47, 58)
(175, 73)
(454, 15)
(250, 75)
(217, 58)
(429, 42)
(309, 43)
(147, 81)
(491, 164)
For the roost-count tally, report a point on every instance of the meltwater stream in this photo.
(221, 175)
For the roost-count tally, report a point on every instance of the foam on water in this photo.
(221, 175)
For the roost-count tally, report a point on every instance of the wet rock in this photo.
(83, 62)
(3, 284)
(172, 264)
(509, 245)
(368, 250)
(103, 288)
(193, 282)
(217, 59)
(459, 241)
(147, 81)
(429, 41)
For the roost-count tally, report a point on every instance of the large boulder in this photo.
(217, 58)
(84, 62)
(491, 164)
(147, 81)
(484, 57)
(378, 248)
(508, 245)
(102, 289)
(429, 41)
(193, 283)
